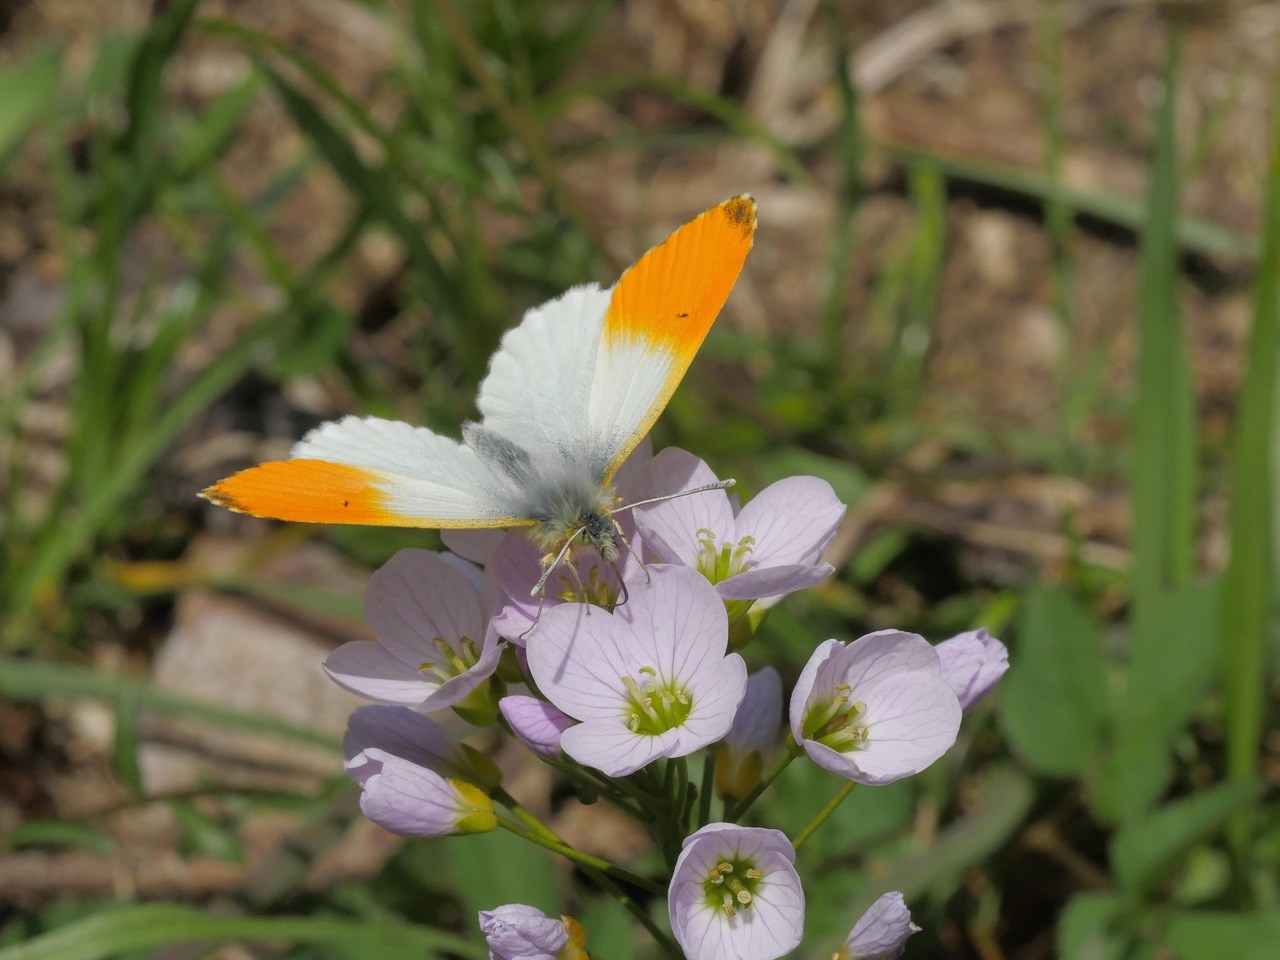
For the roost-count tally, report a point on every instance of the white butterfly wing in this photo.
(374, 472)
(582, 379)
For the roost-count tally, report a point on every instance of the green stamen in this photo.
(731, 885)
(654, 705)
(456, 659)
(721, 559)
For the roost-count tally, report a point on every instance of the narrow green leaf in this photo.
(1084, 928)
(1249, 580)
(137, 928)
(1004, 799)
(1214, 935)
(1143, 853)
(1163, 484)
(1054, 698)
(28, 90)
(60, 833)
(370, 185)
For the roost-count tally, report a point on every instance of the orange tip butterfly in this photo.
(570, 393)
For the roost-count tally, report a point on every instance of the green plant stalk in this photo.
(707, 787)
(600, 875)
(584, 860)
(1250, 576)
(822, 815)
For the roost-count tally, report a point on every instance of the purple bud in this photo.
(536, 723)
(972, 663)
(882, 932)
(520, 932)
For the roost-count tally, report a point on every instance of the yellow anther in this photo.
(755, 874)
(744, 898)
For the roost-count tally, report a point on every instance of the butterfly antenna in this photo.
(559, 558)
(718, 485)
(542, 598)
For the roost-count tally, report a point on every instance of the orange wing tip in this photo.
(741, 212)
(305, 491)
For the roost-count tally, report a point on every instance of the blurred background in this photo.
(1014, 293)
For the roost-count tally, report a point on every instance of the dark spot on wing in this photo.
(681, 315)
(223, 499)
(346, 503)
(741, 212)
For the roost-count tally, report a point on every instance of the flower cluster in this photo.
(617, 674)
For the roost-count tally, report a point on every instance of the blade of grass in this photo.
(1164, 430)
(134, 929)
(1248, 583)
(28, 91)
(1192, 234)
(1163, 473)
(522, 123)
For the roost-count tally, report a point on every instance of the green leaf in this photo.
(1054, 697)
(1084, 928)
(1250, 576)
(1002, 803)
(1144, 853)
(610, 930)
(490, 869)
(1164, 424)
(1213, 935)
(137, 928)
(28, 91)
(1169, 669)
(60, 833)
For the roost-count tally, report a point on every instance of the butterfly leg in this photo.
(631, 550)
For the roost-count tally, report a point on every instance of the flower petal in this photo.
(717, 692)
(417, 597)
(405, 798)
(761, 582)
(792, 521)
(671, 527)
(404, 733)
(675, 623)
(608, 746)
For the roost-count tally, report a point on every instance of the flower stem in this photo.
(601, 871)
(825, 812)
(708, 785)
(734, 814)
(636, 910)
(584, 860)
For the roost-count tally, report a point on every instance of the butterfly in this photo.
(569, 394)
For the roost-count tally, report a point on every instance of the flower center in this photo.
(731, 885)
(839, 724)
(654, 705)
(454, 660)
(595, 589)
(721, 559)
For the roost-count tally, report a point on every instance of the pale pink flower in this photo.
(874, 710)
(651, 679)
